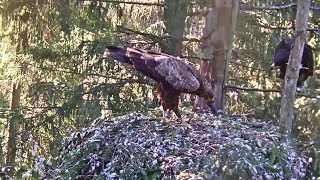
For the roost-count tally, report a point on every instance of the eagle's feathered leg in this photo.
(169, 100)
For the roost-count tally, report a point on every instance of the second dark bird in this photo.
(281, 57)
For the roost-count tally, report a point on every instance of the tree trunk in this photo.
(208, 48)
(175, 13)
(217, 38)
(65, 16)
(293, 67)
(13, 127)
(230, 38)
(22, 44)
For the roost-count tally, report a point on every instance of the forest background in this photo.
(54, 80)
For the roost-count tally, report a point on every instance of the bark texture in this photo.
(16, 89)
(175, 13)
(293, 67)
(13, 127)
(216, 44)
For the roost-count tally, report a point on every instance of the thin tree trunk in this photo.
(65, 16)
(13, 127)
(208, 47)
(230, 38)
(217, 38)
(227, 13)
(293, 68)
(175, 13)
(22, 44)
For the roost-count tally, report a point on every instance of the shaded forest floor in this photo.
(203, 147)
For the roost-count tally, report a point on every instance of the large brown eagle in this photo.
(174, 76)
(281, 57)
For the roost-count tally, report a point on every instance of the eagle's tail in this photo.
(117, 53)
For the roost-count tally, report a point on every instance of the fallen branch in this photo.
(228, 86)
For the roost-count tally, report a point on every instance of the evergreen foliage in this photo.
(52, 49)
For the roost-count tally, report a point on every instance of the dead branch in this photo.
(268, 26)
(272, 7)
(245, 6)
(232, 62)
(228, 86)
(159, 39)
(155, 38)
(315, 30)
(306, 146)
(129, 2)
(315, 7)
(246, 66)
(129, 31)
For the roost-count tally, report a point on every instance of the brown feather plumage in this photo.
(174, 76)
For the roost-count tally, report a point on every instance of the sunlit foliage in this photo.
(65, 82)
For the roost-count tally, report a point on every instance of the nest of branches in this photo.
(202, 147)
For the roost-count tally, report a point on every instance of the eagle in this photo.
(172, 74)
(281, 56)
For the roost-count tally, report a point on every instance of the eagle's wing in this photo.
(158, 66)
(177, 73)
